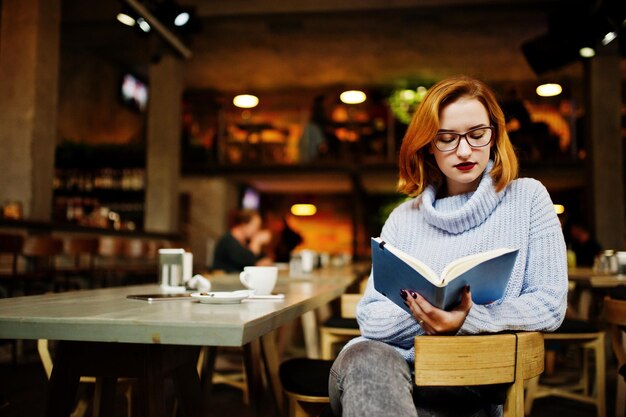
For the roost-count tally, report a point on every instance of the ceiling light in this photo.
(246, 101)
(559, 208)
(608, 38)
(125, 19)
(587, 52)
(549, 90)
(143, 25)
(303, 209)
(352, 97)
(181, 19)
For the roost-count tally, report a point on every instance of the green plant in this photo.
(403, 102)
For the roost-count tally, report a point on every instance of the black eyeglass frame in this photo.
(464, 135)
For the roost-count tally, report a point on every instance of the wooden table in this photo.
(150, 339)
(585, 281)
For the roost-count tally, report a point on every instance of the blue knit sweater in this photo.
(438, 231)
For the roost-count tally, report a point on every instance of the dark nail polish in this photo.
(413, 294)
(403, 294)
(468, 288)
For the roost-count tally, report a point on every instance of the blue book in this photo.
(487, 274)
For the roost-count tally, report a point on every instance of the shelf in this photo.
(103, 194)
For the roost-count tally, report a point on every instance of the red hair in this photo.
(418, 167)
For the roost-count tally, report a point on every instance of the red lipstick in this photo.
(465, 166)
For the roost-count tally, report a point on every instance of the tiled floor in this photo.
(24, 392)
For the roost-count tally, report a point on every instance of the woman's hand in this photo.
(433, 320)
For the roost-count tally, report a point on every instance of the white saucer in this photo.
(227, 297)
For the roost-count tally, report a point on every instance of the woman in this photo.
(457, 161)
(243, 245)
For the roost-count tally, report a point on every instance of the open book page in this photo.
(414, 263)
(460, 266)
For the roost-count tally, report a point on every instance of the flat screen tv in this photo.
(134, 92)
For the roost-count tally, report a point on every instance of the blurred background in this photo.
(133, 123)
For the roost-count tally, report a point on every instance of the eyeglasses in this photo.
(476, 138)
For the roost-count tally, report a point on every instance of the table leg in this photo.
(206, 372)
(311, 338)
(155, 396)
(584, 304)
(188, 390)
(252, 365)
(104, 397)
(271, 358)
(63, 383)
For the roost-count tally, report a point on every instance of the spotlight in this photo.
(587, 52)
(125, 19)
(182, 19)
(303, 209)
(352, 97)
(148, 16)
(549, 90)
(143, 24)
(608, 38)
(170, 13)
(246, 101)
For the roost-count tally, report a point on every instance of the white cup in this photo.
(308, 260)
(261, 279)
(621, 262)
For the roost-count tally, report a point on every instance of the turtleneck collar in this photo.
(459, 213)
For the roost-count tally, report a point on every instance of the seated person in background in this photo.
(242, 245)
(288, 241)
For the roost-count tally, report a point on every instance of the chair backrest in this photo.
(85, 248)
(468, 360)
(10, 247)
(348, 305)
(110, 246)
(615, 315)
(135, 249)
(43, 251)
(481, 360)
(10, 243)
(44, 246)
(81, 246)
(476, 360)
(615, 311)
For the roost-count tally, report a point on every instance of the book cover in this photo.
(487, 273)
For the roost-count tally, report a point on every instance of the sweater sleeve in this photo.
(378, 317)
(543, 299)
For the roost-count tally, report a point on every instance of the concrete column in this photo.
(606, 146)
(212, 199)
(29, 69)
(163, 153)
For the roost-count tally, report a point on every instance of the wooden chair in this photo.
(82, 252)
(304, 380)
(41, 253)
(110, 250)
(615, 314)
(340, 329)
(590, 391)
(481, 360)
(83, 403)
(10, 248)
(439, 361)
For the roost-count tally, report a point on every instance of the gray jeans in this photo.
(371, 378)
